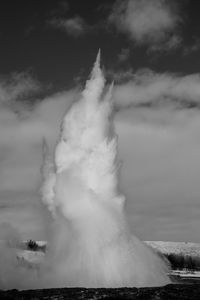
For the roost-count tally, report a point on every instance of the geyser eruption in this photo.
(92, 246)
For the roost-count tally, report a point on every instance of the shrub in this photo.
(181, 261)
(32, 245)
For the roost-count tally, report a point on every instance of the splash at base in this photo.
(92, 246)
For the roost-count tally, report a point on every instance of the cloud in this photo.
(158, 126)
(147, 22)
(124, 54)
(193, 47)
(171, 44)
(21, 140)
(60, 8)
(75, 26)
(16, 88)
(159, 173)
(148, 89)
(21, 151)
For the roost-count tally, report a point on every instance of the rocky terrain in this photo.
(169, 292)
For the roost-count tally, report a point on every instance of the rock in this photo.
(168, 292)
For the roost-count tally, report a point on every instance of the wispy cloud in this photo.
(147, 22)
(172, 43)
(193, 47)
(61, 7)
(124, 55)
(149, 89)
(120, 76)
(18, 86)
(75, 26)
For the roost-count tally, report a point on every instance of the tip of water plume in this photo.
(97, 68)
(98, 58)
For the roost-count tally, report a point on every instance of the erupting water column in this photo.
(92, 245)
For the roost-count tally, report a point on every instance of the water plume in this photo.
(92, 245)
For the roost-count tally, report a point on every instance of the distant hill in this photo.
(186, 248)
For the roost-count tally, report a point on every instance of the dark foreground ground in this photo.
(170, 292)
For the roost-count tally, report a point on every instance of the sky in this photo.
(151, 50)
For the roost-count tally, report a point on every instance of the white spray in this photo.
(92, 246)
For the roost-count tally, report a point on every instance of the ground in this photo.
(169, 292)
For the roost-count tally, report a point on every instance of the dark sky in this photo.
(30, 43)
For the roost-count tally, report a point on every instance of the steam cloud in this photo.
(93, 245)
(90, 244)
